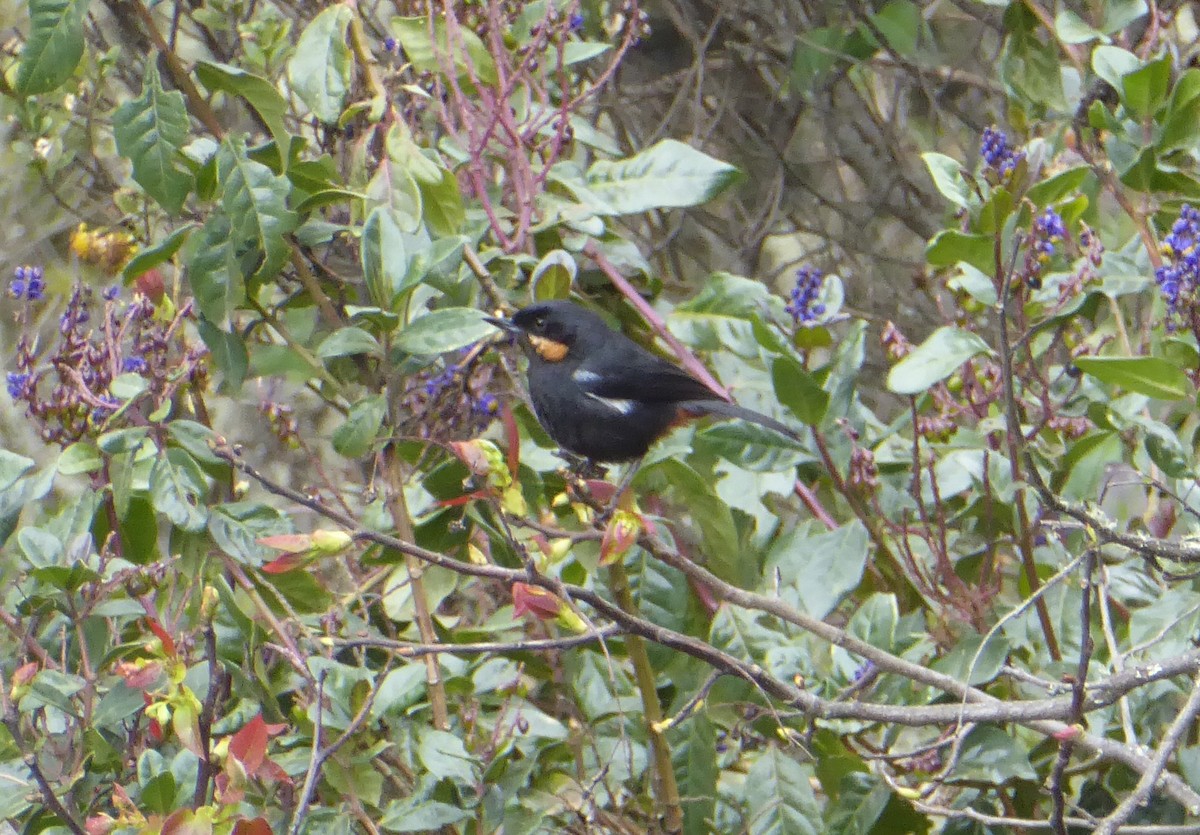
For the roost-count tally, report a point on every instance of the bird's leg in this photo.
(584, 468)
(622, 486)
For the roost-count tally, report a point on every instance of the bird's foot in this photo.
(581, 467)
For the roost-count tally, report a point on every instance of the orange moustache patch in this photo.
(548, 349)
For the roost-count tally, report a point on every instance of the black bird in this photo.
(602, 396)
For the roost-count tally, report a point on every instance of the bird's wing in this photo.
(626, 371)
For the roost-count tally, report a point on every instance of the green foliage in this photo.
(292, 554)
(54, 46)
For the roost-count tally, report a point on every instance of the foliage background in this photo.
(285, 551)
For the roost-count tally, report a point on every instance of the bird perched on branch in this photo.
(602, 396)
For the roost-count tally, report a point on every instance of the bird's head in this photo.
(555, 331)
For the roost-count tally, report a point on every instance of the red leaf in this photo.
(462, 500)
(535, 601)
(258, 826)
(472, 454)
(24, 674)
(167, 641)
(100, 824)
(249, 744)
(291, 543)
(139, 677)
(602, 491)
(512, 437)
(286, 563)
(1067, 733)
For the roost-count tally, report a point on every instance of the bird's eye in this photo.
(539, 322)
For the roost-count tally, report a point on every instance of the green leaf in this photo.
(53, 687)
(158, 795)
(394, 188)
(553, 276)
(1181, 126)
(966, 663)
(126, 387)
(213, 270)
(150, 131)
(779, 798)
(54, 47)
(319, 70)
(1152, 376)
(821, 569)
(413, 815)
(1146, 88)
(472, 59)
(1113, 63)
(443, 330)
(197, 439)
(444, 756)
(694, 759)
(861, 799)
(443, 203)
(949, 246)
(799, 391)
(177, 496)
(669, 174)
(844, 371)
(934, 360)
(721, 316)
(1070, 28)
(989, 754)
(876, 620)
(12, 467)
(948, 179)
(901, 23)
(1166, 451)
(976, 284)
(256, 202)
(348, 341)
(814, 54)
(1055, 188)
(712, 515)
(79, 458)
(576, 52)
(228, 352)
(1120, 13)
(258, 93)
(160, 253)
(387, 263)
(355, 437)
(1030, 69)
(40, 547)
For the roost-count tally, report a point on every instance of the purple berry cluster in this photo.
(803, 306)
(28, 284)
(1178, 278)
(66, 387)
(451, 402)
(1047, 233)
(997, 155)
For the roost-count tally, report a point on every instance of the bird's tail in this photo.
(721, 408)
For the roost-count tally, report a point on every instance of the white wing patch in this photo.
(622, 406)
(585, 377)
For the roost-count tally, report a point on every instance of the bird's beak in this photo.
(503, 324)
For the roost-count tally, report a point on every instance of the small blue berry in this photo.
(804, 307)
(487, 405)
(18, 385)
(996, 153)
